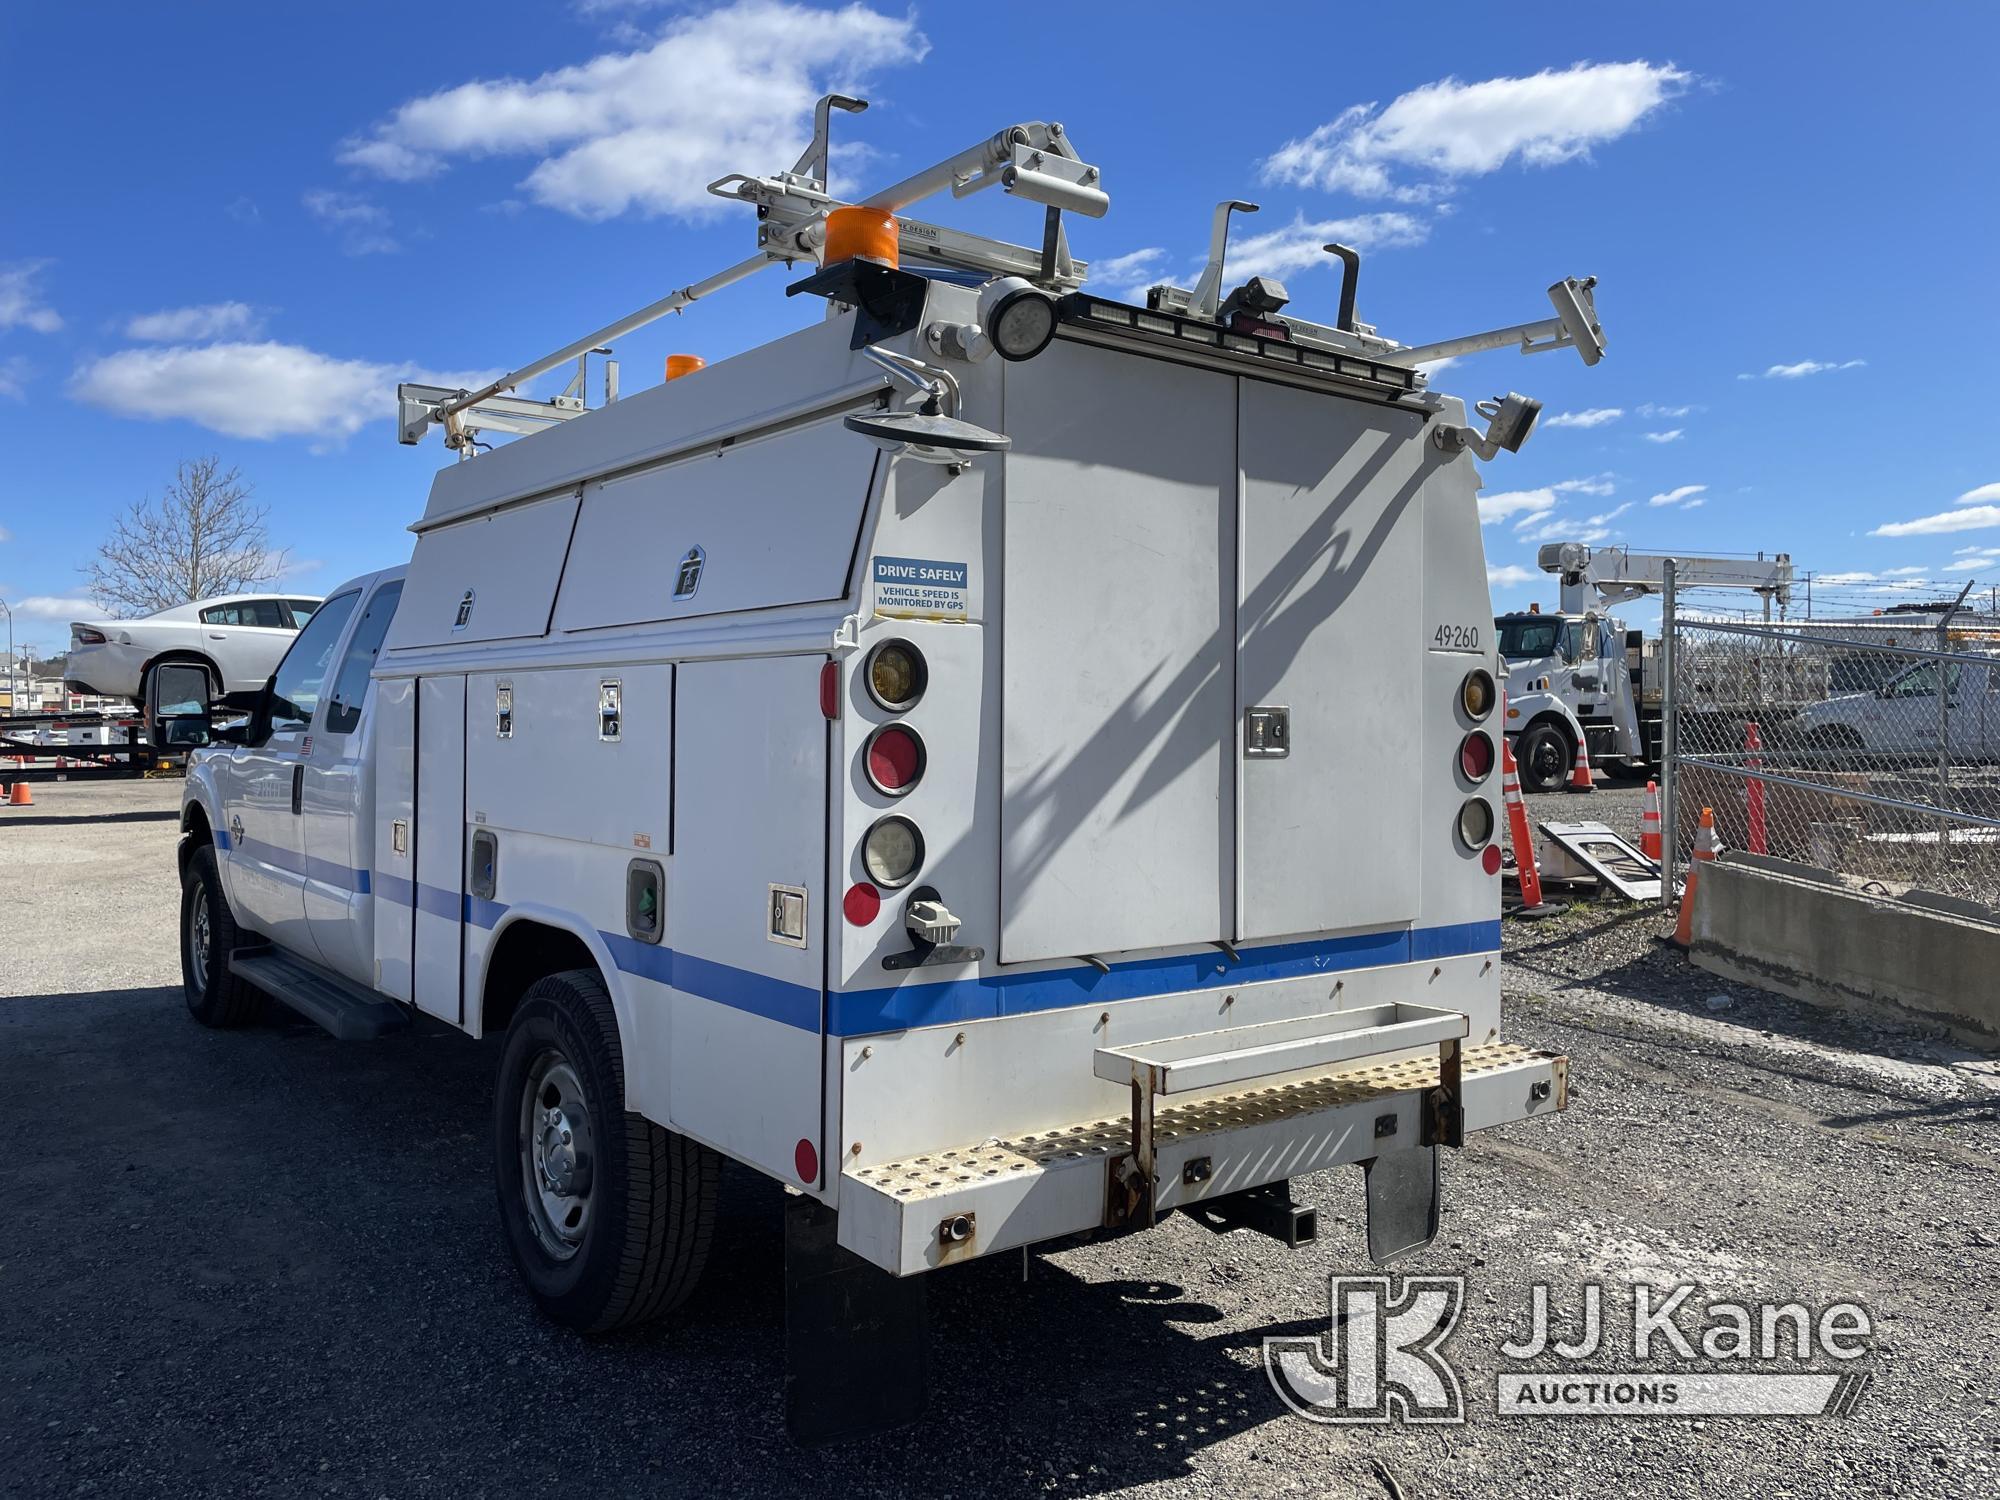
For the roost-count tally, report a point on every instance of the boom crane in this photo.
(1618, 575)
(1579, 677)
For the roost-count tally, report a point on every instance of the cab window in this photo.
(295, 692)
(350, 686)
(267, 612)
(1922, 682)
(1528, 636)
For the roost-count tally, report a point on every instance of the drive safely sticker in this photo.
(917, 588)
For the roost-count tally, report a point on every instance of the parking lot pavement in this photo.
(267, 1263)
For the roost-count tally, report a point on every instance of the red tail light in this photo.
(85, 636)
(1475, 756)
(895, 759)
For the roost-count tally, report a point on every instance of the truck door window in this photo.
(295, 694)
(1528, 636)
(1923, 681)
(350, 685)
(1576, 637)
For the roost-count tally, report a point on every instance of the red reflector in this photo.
(1475, 757)
(1491, 859)
(806, 1159)
(829, 690)
(895, 759)
(862, 903)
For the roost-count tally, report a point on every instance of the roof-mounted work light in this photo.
(1509, 419)
(1018, 318)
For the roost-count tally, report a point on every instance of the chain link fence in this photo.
(1863, 739)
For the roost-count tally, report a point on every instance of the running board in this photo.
(345, 1011)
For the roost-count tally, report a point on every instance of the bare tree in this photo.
(201, 538)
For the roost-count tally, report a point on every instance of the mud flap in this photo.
(857, 1340)
(1402, 1190)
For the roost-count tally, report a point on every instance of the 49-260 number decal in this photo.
(1455, 638)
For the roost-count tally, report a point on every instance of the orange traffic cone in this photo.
(21, 796)
(1705, 846)
(1518, 836)
(1649, 823)
(1579, 776)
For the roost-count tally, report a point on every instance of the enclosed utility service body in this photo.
(1062, 816)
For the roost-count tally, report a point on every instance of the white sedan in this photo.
(239, 638)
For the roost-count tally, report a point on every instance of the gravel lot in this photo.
(267, 1263)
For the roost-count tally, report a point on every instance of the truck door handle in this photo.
(298, 786)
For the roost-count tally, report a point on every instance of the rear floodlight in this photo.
(1018, 318)
(928, 438)
(1576, 309)
(1509, 419)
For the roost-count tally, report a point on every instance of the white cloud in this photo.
(1300, 245)
(52, 607)
(1590, 531)
(1520, 506)
(731, 89)
(1845, 578)
(1610, 515)
(1595, 416)
(15, 372)
(21, 304)
(1970, 518)
(1985, 492)
(181, 325)
(1452, 129)
(1673, 435)
(1510, 575)
(363, 225)
(244, 390)
(1915, 572)
(6, 535)
(1596, 484)
(1687, 497)
(1803, 368)
(1131, 265)
(333, 207)
(1649, 409)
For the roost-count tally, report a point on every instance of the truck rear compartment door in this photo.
(1332, 558)
(1118, 781)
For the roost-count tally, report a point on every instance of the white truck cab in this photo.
(1952, 705)
(933, 760)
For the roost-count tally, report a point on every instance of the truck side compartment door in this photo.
(748, 1001)
(439, 961)
(263, 789)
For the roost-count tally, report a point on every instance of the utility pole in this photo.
(13, 698)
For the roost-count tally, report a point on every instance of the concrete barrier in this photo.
(1819, 941)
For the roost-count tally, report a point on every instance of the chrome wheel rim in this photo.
(558, 1154)
(200, 934)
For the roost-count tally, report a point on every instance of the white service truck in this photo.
(950, 785)
(1576, 674)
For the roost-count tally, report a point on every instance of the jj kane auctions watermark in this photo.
(1383, 1359)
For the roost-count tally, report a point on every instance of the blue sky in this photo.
(231, 227)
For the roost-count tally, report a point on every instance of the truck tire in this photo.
(215, 997)
(1545, 756)
(608, 1216)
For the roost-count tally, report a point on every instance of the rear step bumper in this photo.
(933, 1210)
